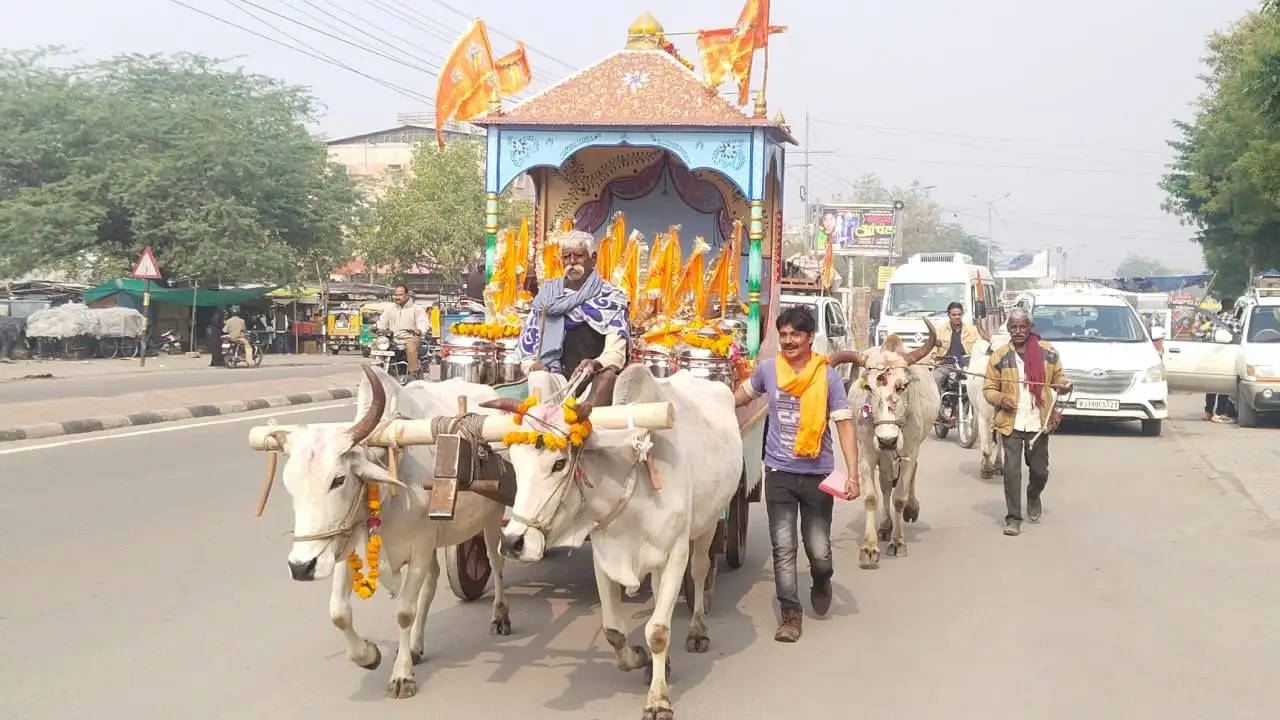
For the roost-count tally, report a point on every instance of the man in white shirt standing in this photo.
(1021, 378)
(409, 322)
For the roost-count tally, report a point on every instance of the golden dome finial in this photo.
(645, 33)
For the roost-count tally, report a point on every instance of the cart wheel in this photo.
(467, 565)
(967, 426)
(687, 587)
(109, 347)
(735, 551)
(127, 347)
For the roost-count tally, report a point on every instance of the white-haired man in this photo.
(578, 320)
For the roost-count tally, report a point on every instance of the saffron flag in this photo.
(513, 71)
(735, 266)
(729, 51)
(718, 285)
(467, 79)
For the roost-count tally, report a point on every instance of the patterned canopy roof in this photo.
(631, 88)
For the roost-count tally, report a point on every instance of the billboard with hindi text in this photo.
(858, 228)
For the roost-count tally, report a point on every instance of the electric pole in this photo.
(990, 210)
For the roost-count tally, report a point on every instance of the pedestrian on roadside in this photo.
(805, 394)
(1020, 379)
(213, 335)
(1221, 408)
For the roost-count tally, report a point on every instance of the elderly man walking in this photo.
(1019, 383)
(804, 393)
(578, 321)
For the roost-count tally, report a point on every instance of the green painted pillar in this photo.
(755, 268)
(490, 233)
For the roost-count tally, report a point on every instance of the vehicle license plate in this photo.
(381, 353)
(1084, 404)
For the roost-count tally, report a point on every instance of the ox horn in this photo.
(925, 349)
(584, 411)
(277, 442)
(841, 357)
(373, 414)
(505, 404)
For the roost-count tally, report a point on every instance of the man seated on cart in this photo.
(577, 321)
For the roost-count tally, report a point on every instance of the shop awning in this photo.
(178, 296)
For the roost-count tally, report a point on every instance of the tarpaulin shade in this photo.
(177, 296)
(1163, 283)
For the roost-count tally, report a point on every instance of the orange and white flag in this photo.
(467, 79)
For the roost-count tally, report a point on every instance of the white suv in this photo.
(1107, 354)
(1245, 364)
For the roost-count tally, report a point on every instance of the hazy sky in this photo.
(1067, 106)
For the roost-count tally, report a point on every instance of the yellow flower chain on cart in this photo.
(579, 430)
(721, 346)
(488, 331)
(365, 587)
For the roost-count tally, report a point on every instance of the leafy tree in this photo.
(1135, 265)
(1225, 179)
(210, 166)
(433, 215)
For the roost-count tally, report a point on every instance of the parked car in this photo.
(1242, 360)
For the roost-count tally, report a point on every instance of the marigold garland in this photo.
(579, 430)
(721, 345)
(365, 586)
(488, 331)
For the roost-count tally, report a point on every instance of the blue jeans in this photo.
(788, 496)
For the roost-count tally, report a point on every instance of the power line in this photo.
(849, 123)
(361, 31)
(406, 92)
(1106, 171)
(496, 31)
(356, 45)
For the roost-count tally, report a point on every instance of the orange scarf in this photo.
(810, 385)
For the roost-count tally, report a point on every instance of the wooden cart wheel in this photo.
(735, 551)
(467, 565)
(687, 586)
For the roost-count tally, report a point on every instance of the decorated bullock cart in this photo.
(684, 193)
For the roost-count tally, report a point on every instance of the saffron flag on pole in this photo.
(750, 34)
(724, 53)
(467, 79)
(513, 70)
(828, 265)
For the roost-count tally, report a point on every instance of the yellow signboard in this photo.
(882, 276)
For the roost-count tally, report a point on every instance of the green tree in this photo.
(1225, 178)
(1135, 265)
(212, 167)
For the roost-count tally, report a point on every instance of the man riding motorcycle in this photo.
(954, 344)
(409, 322)
(234, 328)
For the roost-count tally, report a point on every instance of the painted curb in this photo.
(151, 417)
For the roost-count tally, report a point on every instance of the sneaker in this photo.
(1226, 420)
(1012, 528)
(1033, 509)
(820, 596)
(789, 629)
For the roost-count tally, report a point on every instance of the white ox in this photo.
(895, 404)
(984, 412)
(327, 473)
(635, 530)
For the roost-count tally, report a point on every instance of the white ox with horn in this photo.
(327, 473)
(609, 491)
(896, 402)
(984, 412)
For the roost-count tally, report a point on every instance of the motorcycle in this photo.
(166, 342)
(233, 352)
(388, 354)
(957, 407)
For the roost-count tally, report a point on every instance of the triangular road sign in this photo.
(146, 268)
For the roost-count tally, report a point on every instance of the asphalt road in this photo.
(138, 585)
(55, 388)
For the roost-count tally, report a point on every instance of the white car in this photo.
(1244, 364)
(1115, 370)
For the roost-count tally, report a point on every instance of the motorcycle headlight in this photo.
(1155, 373)
(382, 343)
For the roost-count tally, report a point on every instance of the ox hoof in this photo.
(658, 713)
(500, 626)
(898, 549)
(697, 644)
(869, 558)
(402, 688)
(648, 672)
(985, 474)
(377, 658)
(417, 656)
(884, 532)
(911, 512)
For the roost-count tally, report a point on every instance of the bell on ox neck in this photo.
(452, 469)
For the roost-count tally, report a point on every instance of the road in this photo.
(138, 585)
(273, 367)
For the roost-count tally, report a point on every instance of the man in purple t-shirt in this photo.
(791, 480)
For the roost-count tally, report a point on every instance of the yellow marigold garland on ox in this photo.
(365, 586)
(579, 429)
